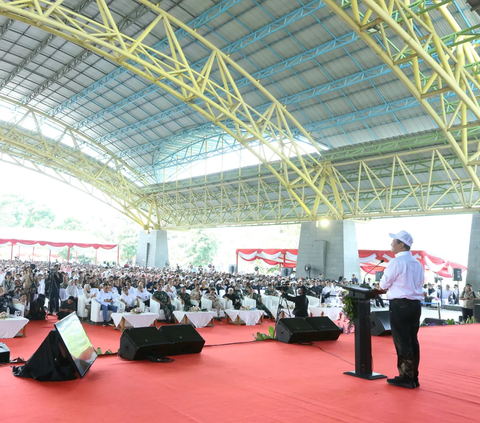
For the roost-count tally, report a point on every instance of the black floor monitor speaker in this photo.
(184, 339)
(433, 321)
(295, 330)
(380, 323)
(476, 311)
(142, 343)
(4, 353)
(325, 328)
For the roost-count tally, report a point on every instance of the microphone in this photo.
(381, 261)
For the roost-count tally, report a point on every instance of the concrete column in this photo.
(152, 249)
(331, 250)
(473, 273)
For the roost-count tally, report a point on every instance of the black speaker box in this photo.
(184, 339)
(476, 311)
(325, 328)
(295, 330)
(457, 274)
(141, 343)
(380, 323)
(4, 353)
(431, 320)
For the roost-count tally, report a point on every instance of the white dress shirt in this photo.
(102, 296)
(403, 277)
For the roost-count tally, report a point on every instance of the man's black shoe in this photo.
(110, 323)
(105, 324)
(402, 382)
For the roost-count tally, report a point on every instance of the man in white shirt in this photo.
(403, 280)
(106, 300)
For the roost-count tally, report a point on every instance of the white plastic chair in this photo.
(155, 308)
(207, 304)
(250, 302)
(96, 314)
(20, 308)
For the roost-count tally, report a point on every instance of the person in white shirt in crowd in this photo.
(106, 299)
(171, 292)
(402, 280)
(328, 292)
(41, 284)
(72, 290)
(143, 295)
(216, 304)
(447, 294)
(130, 300)
(87, 293)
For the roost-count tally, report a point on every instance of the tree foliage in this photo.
(16, 211)
(202, 248)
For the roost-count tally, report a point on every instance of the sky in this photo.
(445, 236)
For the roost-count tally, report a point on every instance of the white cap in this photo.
(404, 237)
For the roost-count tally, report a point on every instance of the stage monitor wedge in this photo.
(325, 328)
(292, 330)
(184, 339)
(143, 343)
(380, 323)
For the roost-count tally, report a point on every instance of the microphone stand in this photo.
(370, 271)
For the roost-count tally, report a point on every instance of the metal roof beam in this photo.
(38, 49)
(231, 48)
(80, 58)
(205, 17)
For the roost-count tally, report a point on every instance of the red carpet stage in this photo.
(252, 382)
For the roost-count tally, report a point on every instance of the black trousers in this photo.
(466, 313)
(54, 305)
(404, 322)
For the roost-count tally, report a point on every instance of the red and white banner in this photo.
(444, 268)
(283, 257)
(23, 242)
(368, 259)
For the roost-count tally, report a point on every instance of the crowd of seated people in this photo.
(135, 287)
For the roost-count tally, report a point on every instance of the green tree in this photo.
(128, 240)
(71, 224)
(202, 248)
(39, 217)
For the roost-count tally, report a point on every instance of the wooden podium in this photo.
(363, 333)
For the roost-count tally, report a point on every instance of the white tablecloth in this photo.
(332, 312)
(199, 319)
(250, 317)
(11, 326)
(134, 320)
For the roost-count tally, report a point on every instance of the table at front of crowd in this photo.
(199, 319)
(333, 313)
(245, 317)
(11, 327)
(132, 320)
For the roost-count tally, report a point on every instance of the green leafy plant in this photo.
(450, 321)
(265, 336)
(108, 352)
(349, 309)
(469, 321)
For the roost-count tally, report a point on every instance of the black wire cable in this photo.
(328, 352)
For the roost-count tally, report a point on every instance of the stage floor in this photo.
(252, 382)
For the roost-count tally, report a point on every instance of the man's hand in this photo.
(381, 291)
